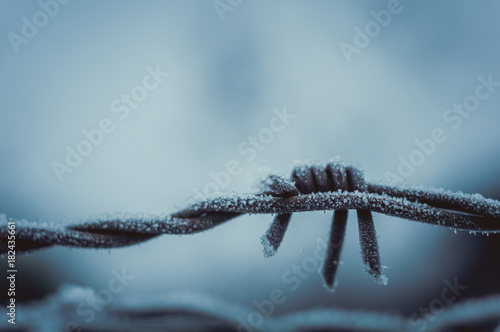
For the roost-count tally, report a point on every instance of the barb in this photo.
(335, 186)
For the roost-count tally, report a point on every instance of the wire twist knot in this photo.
(335, 176)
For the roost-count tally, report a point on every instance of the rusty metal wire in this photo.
(335, 186)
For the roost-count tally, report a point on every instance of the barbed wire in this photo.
(195, 312)
(335, 186)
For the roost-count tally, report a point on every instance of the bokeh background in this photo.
(225, 79)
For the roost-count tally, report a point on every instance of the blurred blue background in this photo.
(225, 79)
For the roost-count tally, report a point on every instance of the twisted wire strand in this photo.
(335, 186)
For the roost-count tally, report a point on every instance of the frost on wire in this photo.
(335, 186)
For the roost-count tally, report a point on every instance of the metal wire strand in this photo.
(335, 186)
